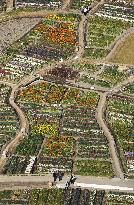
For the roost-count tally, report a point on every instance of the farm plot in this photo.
(128, 90)
(40, 4)
(55, 37)
(84, 66)
(123, 10)
(62, 127)
(9, 123)
(119, 116)
(52, 196)
(19, 67)
(110, 76)
(119, 198)
(102, 33)
(78, 4)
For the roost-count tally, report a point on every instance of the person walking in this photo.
(72, 179)
(55, 176)
(60, 175)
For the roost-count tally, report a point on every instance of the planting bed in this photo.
(52, 197)
(78, 4)
(40, 4)
(9, 123)
(102, 32)
(110, 76)
(85, 66)
(65, 197)
(119, 198)
(94, 168)
(119, 116)
(118, 10)
(55, 37)
(19, 67)
(128, 90)
(62, 126)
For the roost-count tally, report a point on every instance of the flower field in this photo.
(65, 197)
(110, 76)
(55, 37)
(9, 123)
(119, 198)
(19, 67)
(84, 66)
(78, 4)
(119, 117)
(62, 127)
(52, 196)
(40, 4)
(128, 90)
(94, 168)
(102, 32)
(122, 10)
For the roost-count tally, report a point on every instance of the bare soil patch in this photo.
(124, 53)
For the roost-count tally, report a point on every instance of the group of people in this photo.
(58, 175)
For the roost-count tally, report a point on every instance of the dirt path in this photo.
(7, 182)
(112, 146)
(100, 119)
(118, 42)
(66, 4)
(24, 125)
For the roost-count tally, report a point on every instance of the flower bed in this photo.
(19, 66)
(113, 75)
(102, 32)
(9, 123)
(55, 37)
(94, 168)
(128, 90)
(59, 146)
(117, 10)
(40, 4)
(119, 198)
(49, 165)
(119, 115)
(52, 196)
(109, 77)
(59, 196)
(85, 66)
(93, 147)
(58, 117)
(78, 4)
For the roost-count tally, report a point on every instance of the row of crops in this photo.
(40, 4)
(62, 127)
(118, 10)
(110, 76)
(119, 115)
(53, 39)
(102, 33)
(65, 197)
(9, 123)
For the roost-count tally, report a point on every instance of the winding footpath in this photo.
(24, 126)
(100, 119)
